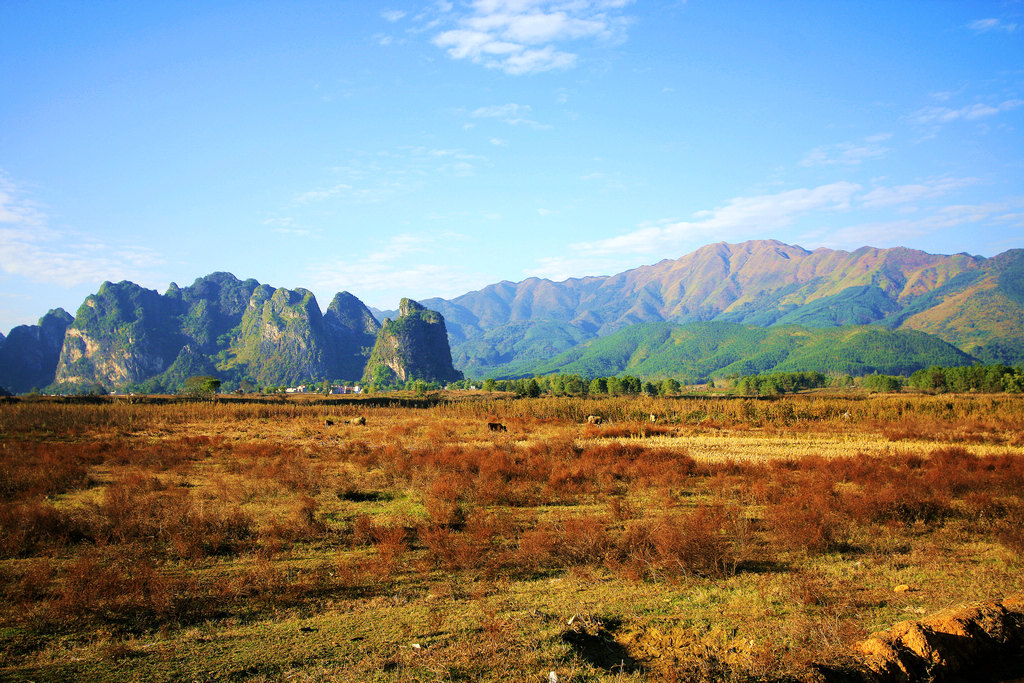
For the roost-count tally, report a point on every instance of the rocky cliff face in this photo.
(282, 339)
(126, 336)
(29, 354)
(413, 346)
(122, 334)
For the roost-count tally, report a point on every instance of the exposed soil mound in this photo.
(979, 641)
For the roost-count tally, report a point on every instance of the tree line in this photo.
(995, 378)
(577, 385)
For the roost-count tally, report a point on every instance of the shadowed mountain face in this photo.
(974, 303)
(29, 354)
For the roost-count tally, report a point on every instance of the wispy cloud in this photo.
(392, 15)
(405, 264)
(30, 248)
(971, 112)
(899, 232)
(915, 192)
(559, 268)
(289, 226)
(770, 215)
(529, 36)
(739, 218)
(512, 114)
(847, 153)
(987, 25)
(379, 177)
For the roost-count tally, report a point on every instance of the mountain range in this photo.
(973, 303)
(726, 308)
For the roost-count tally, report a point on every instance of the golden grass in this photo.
(730, 539)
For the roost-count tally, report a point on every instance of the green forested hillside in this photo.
(702, 350)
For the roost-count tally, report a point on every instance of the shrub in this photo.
(673, 546)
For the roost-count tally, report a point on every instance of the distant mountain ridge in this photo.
(244, 331)
(974, 303)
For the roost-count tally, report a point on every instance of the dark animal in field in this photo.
(497, 427)
(328, 423)
(594, 419)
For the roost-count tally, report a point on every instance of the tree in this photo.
(575, 385)
(532, 389)
(669, 387)
(631, 385)
(381, 377)
(202, 386)
(885, 383)
(489, 384)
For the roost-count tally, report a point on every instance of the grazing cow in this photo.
(328, 423)
(497, 427)
(594, 419)
(359, 420)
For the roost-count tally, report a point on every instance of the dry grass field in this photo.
(728, 539)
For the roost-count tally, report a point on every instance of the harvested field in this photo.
(728, 539)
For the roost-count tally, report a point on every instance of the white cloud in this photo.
(769, 215)
(392, 15)
(847, 153)
(740, 218)
(899, 232)
(560, 268)
(59, 258)
(324, 193)
(379, 177)
(903, 194)
(405, 265)
(512, 114)
(526, 36)
(971, 112)
(502, 111)
(15, 208)
(30, 248)
(986, 25)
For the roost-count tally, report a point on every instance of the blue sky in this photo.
(431, 148)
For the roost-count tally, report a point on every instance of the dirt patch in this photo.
(979, 641)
